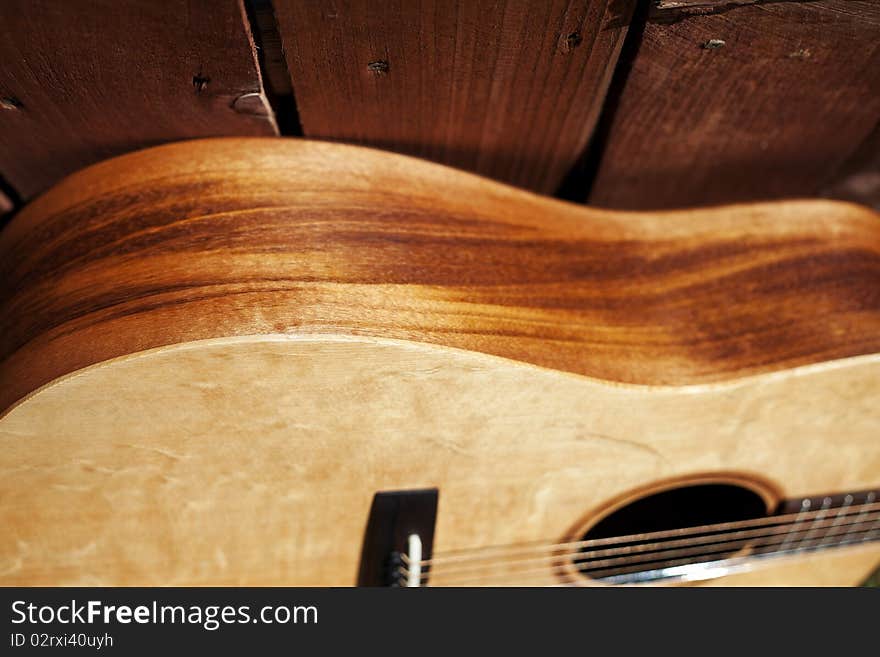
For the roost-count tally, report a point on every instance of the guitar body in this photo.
(215, 354)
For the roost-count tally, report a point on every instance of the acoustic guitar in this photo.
(283, 362)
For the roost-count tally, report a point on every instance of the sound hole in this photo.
(689, 506)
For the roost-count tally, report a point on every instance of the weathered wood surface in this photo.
(743, 103)
(83, 81)
(507, 88)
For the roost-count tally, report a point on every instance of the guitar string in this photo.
(629, 571)
(500, 552)
(847, 501)
(639, 564)
(862, 527)
(664, 548)
(616, 571)
(647, 552)
(805, 505)
(494, 551)
(539, 578)
(665, 545)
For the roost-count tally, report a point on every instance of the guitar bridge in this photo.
(399, 538)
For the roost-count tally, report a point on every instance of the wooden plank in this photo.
(753, 102)
(507, 88)
(84, 81)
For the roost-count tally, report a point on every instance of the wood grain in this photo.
(507, 88)
(83, 81)
(253, 461)
(753, 102)
(233, 237)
